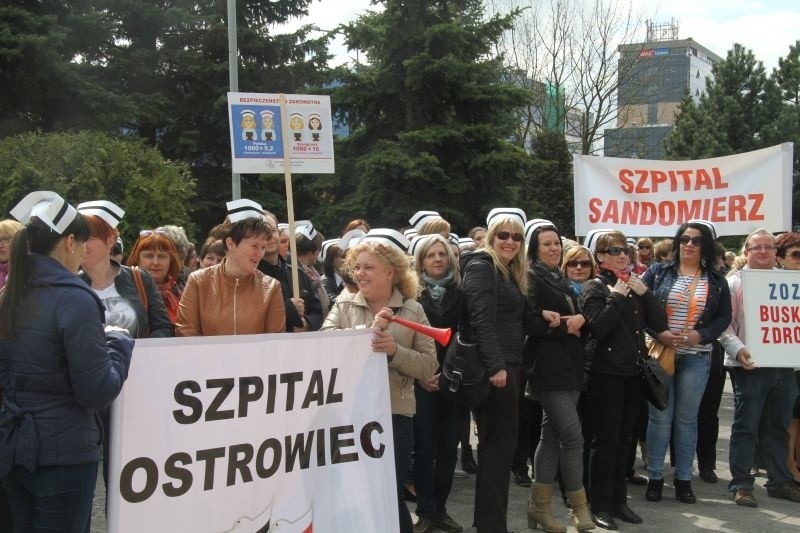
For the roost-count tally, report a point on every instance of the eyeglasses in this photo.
(583, 263)
(696, 241)
(614, 250)
(644, 246)
(148, 232)
(505, 235)
(762, 248)
(794, 255)
(5, 240)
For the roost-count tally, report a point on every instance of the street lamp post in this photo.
(233, 81)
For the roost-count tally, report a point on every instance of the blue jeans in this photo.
(437, 431)
(403, 436)
(51, 499)
(686, 388)
(767, 392)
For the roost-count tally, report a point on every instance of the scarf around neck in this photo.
(437, 286)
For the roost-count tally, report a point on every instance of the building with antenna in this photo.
(656, 75)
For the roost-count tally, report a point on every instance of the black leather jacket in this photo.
(283, 273)
(617, 324)
(443, 314)
(495, 312)
(153, 322)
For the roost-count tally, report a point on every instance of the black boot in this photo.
(683, 492)
(468, 464)
(654, 488)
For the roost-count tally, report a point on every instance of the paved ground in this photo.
(715, 511)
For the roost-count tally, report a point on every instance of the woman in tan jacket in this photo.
(233, 297)
(387, 287)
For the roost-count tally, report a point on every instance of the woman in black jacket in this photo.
(554, 354)
(616, 311)
(438, 421)
(494, 287)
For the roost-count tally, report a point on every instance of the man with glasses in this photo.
(770, 392)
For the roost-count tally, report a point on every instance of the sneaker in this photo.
(423, 525)
(745, 498)
(787, 490)
(522, 479)
(446, 523)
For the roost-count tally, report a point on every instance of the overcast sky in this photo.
(765, 27)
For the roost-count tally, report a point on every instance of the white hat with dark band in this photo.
(110, 212)
(502, 213)
(591, 238)
(421, 217)
(534, 224)
(48, 207)
(350, 239)
(243, 209)
(326, 246)
(388, 237)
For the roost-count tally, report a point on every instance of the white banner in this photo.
(771, 300)
(254, 433)
(257, 143)
(648, 198)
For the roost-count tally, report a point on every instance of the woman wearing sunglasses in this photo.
(697, 302)
(154, 251)
(493, 286)
(617, 309)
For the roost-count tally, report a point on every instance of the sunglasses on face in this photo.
(583, 263)
(696, 241)
(505, 235)
(794, 255)
(614, 250)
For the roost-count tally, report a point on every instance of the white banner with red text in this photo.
(649, 198)
(771, 300)
(254, 434)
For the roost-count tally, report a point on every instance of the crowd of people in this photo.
(560, 328)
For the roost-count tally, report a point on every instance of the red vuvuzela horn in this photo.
(440, 335)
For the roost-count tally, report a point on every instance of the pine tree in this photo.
(429, 115)
(735, 115)
(549, 191)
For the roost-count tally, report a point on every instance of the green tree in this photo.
(51, 57)
(430, 115)
(736, 114)
(549, 190)
(743, 110)
(787, 76)
(87, 166)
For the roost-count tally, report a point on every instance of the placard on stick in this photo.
(771, 300)
(257, 144)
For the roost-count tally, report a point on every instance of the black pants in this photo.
(614, 403)
(708, 421)
(497, 439)
(530, 429)
(639, 433)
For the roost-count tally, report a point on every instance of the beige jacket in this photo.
(214, 303)
(416, 354)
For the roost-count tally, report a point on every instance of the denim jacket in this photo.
(717, 314)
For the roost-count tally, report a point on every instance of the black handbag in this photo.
(463, 377)
(654, 382)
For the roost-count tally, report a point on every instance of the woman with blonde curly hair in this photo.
(387, 287)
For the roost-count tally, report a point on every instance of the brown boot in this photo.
(539, 511)
(580, 510)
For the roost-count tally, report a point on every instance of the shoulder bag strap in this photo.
(137, 280)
